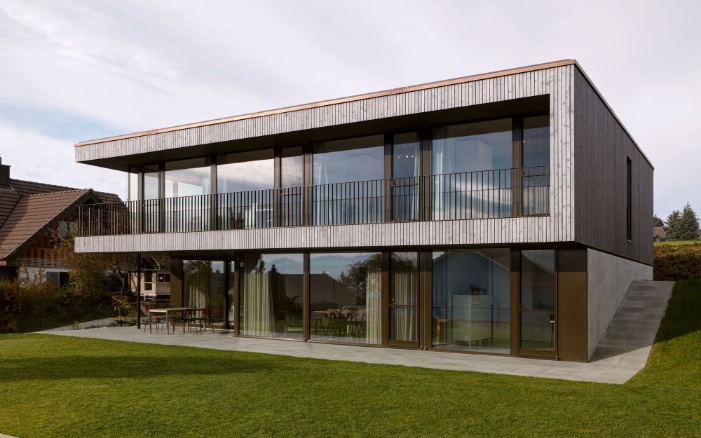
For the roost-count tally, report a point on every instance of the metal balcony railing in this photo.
(500, 193)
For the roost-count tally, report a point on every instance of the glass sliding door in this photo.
(348, 178)
(232, 313)
(271, 295)
(203, 286)
(291, 193)
(245, 183)
(187, 184)
(471, 170)
(151, 209)
(345, 297)
(404, 297)
(471, 300)
(406, 169)
(537, 300)
(535, 180)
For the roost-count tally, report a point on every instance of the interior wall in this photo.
(608, 279)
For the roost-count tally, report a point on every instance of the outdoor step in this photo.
(635, 324)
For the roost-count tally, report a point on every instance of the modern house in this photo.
(32, 215)
(502, 213)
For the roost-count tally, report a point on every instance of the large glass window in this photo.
(271, 295)
(536, 165)
(186, 181)
(151, 208)
(345, 292)
(245, 183)
(203, 285)
(406, 168)
(471, 300)
(537, 299)
(471, 166)
(292, 186)
(348, 181)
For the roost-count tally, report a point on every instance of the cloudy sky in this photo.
(79, 70)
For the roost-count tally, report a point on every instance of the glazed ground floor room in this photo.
(547, 302)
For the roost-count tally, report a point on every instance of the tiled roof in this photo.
(27, 209)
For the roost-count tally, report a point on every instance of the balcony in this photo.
(500, 193)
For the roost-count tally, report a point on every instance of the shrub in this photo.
(677, 262)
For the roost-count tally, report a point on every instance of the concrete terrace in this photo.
(621, 354)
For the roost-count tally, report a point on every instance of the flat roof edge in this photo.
(357, 97)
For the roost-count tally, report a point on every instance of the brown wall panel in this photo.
(176, 282)
(572, 305)
(601, 147)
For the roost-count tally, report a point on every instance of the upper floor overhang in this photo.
(516, 91)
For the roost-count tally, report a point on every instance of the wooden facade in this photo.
(589, 147)
(602, 148)
(599, 194)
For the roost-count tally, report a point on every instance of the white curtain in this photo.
(405, 294)
(257, 305)
(197, 283)
(374, 304)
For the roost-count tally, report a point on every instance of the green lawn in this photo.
(59, 386)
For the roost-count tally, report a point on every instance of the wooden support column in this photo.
(138, 290)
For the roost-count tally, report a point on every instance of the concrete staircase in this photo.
(629, 337)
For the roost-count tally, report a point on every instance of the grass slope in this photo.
(56, 386)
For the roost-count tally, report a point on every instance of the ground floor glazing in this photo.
(491, 300)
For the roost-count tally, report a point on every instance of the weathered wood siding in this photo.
(602, 146)
(554, 82)
(416, 234)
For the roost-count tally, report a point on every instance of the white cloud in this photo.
(35, 157)
(134, 65)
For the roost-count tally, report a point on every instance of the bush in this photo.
(677, 262)
(36, 303)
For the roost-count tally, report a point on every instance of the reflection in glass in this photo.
(404, 296)
(271, 295)
(292, 164)
(151, 203)
(203, 286)
(345, 292)
(406, 162)
(245, 183)
(471, 300)
(537, 299)
(231, 311)
(348, 181)
(185, 182)
(471, 163)
(536, 164)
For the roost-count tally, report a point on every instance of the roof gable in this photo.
(34, 214)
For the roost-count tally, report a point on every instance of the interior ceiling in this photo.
(525, 106)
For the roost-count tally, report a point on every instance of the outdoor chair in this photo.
(148, 319)
(201, 317)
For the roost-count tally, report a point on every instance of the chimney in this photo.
(4, 175)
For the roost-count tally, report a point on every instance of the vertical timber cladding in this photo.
(602, 147)
(572, 319)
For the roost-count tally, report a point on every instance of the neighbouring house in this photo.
(31, 215)
(154, 283)
(658, 234)
(503, 213)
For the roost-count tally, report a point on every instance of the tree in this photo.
(672, 225)
(688, 224)
(657, 222)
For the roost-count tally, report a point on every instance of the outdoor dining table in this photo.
(167, 311)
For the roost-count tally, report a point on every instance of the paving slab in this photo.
(616, 362)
